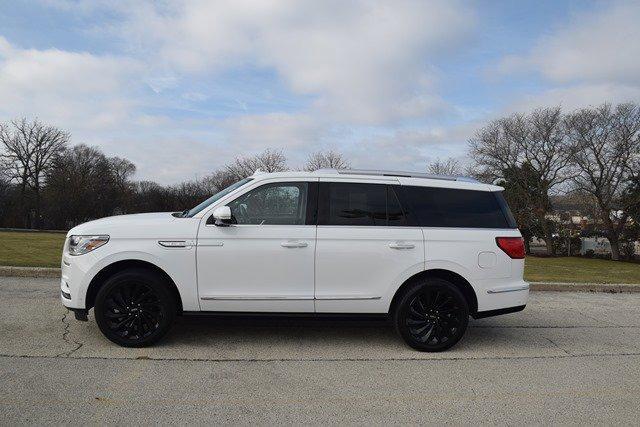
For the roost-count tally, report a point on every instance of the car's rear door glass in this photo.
(359, 204)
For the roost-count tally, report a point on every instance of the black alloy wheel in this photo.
(432, 315)
(135, 308)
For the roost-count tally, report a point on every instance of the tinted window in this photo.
(360, 204)
(280, 203)
(357, 204)
(446, 207)
(505, 209)
(394, 209)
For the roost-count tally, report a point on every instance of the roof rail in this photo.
(400, 174)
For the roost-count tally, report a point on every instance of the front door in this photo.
(264, 259)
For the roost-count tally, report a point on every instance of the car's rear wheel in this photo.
(135, 307)
(431, 315)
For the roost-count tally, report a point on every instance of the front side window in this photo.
(282, 203)
(360, 204)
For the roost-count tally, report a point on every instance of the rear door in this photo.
(364, 246)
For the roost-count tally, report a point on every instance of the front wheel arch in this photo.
(454, 278)
(111, 269)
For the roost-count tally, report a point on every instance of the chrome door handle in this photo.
(401, 245)
(294, 244)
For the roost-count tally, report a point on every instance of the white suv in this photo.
(426, 250)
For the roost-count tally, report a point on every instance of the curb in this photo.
(613, 288)
(38, 272)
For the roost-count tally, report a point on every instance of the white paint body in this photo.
(298, 268)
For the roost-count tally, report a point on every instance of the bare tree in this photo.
(326, 160)
(218, 180)
(267, 161)
(449, 166)
(122, 170)
(536, 141)
(29, 149)
(605, 147)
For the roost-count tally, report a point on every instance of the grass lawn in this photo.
(45, 249)
(31, 249)
(580, 270)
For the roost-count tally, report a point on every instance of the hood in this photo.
(154, 225)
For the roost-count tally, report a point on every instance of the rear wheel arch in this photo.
(454, 278)
(118, 266)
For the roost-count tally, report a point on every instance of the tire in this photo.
(135, 307)
(431, 315)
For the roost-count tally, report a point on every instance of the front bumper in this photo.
(74, 274)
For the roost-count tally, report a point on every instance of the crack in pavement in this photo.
(556, 344)
(65, 337)
(595, 319)
(332, 360)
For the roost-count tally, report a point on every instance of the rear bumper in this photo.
(496, 294)
(498, 312)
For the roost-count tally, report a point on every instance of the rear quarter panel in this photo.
(459, 250)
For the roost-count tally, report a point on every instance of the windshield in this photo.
(216, 197)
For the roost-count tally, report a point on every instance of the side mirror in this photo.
(222, 216)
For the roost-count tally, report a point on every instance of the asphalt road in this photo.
(568, 358)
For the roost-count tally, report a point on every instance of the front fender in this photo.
(180, 267)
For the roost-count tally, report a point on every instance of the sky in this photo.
(182, 87)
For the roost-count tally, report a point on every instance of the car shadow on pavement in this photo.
(287, 337)
(221, 328)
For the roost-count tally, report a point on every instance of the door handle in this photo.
(294, 244)
(401, 245)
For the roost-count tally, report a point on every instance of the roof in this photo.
(402, 177)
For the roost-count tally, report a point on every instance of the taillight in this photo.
(512, 246)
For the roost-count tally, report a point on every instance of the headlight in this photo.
(80, 245)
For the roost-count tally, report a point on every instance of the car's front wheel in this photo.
(135, 307)
(431, 315)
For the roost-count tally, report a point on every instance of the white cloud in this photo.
(274, 130)
(595, 58)
(100, 100)
(363, 61)
(358, 66)
(578, 96)
(600, 47)
(597, 46)
(65, 88)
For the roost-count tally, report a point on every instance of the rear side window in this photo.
(359, 204)
(447, 207)
(511, 221)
